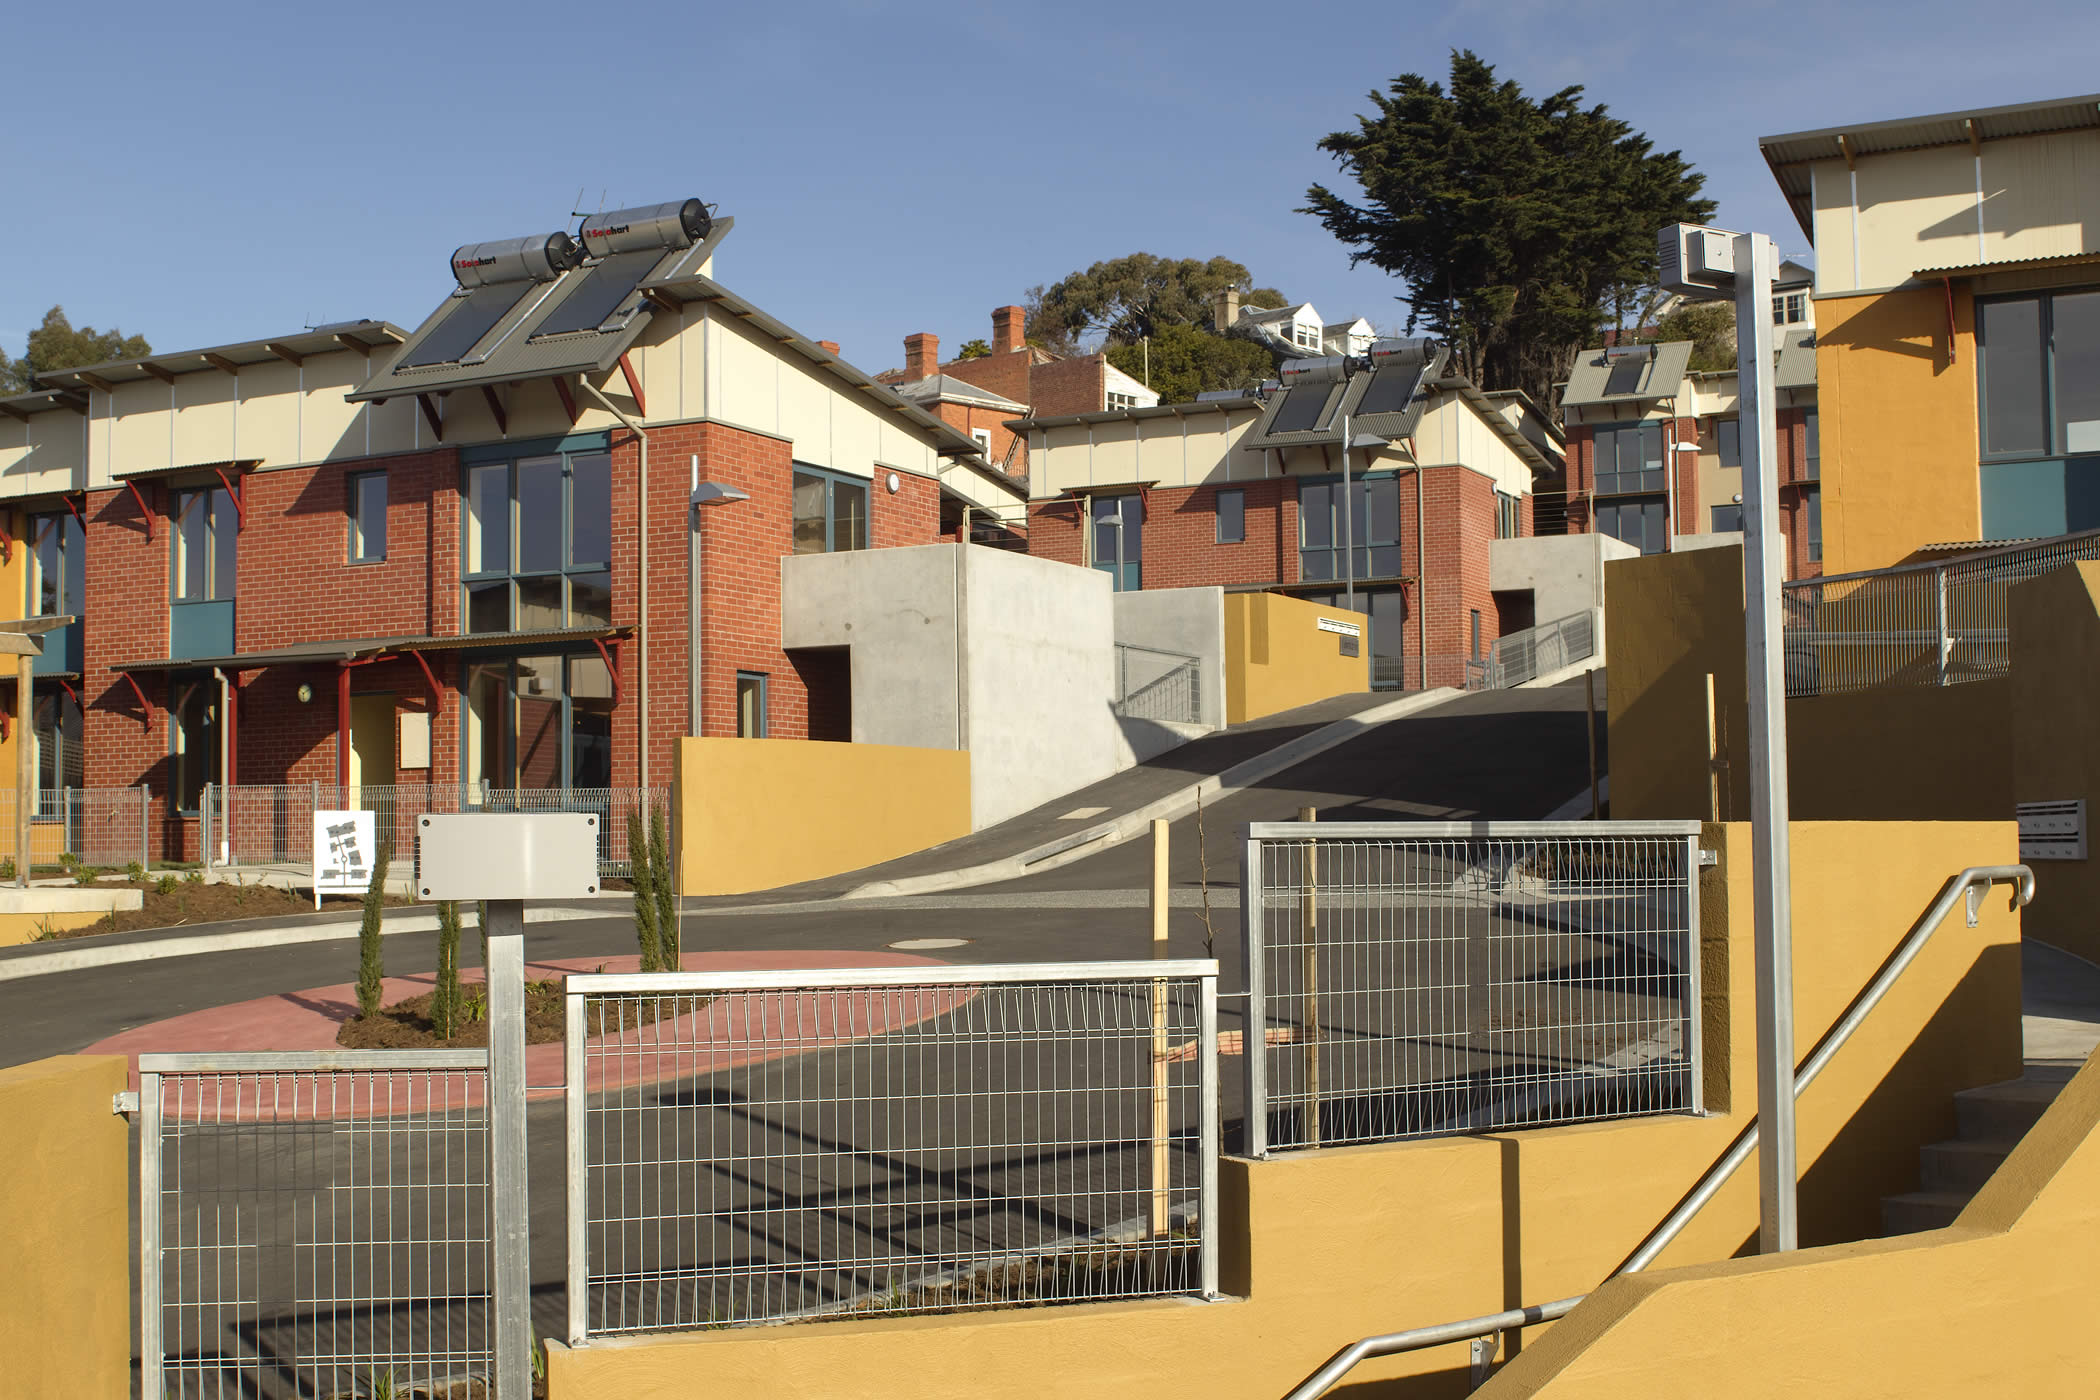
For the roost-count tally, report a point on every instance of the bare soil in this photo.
(200, 903)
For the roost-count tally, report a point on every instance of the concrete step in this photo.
(1998, 1112)
(1962, 1166)
(1920, 1210)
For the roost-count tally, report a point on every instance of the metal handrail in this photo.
(1949, 561)
(1972, 881)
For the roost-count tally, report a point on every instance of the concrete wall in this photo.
(1476, 1224)
(953, 646)
(1190, 621)
(2000, 1303)
(1561, 571)
(757, 813)
(1277, 658)
(2055, 625)
(65, 1195)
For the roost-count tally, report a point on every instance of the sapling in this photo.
(371, 972)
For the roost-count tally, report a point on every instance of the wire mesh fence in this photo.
(1419, 673)
(1418, 979)
(90, 826)
(315, 1232)
(1525, 656)
(750, 1147)
(1915, 624)
(1161, 685)
(272, 823)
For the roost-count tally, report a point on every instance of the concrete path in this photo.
(2060, 1002)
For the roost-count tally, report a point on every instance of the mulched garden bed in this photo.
(406, 1024)
(196, 902)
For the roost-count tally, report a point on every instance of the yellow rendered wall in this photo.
(756, 813)
(1898, 424)
(28, 928)
(1277, 658)
(2055, 627)
(2000, 1303)
(1320, 1248)
(65, 1191)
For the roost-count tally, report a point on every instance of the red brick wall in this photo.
(1181, 532)
(964, 417)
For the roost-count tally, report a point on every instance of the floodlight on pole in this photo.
(1712, 264)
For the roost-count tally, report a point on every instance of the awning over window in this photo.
(334, 653)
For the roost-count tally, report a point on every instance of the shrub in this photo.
(646, 936)
(84, 875)
(135, 872)
(664, 883)
(444, 1000)
(370, 970)
(165, 885)
(7, 868)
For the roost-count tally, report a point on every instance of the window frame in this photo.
(832, 481)
(506, 663)
(568, 571)
(760, 682)
(1239, 529)
(1614, 432)
(180, 755)
(359, 532)
(1117, 401)
(217, 522)
(72, 570)
(1370, 546)
(1509, 516)
(1125, 572)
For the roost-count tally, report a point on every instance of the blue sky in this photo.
(211, 173)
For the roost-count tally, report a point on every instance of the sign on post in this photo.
(345, 845)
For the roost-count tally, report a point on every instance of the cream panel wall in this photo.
(205, 424)
(44, 454)
(1116, 452)
(329, 427)
(134, 428)
(2041, 196)
(1178, 451)
(267, 421)
(1834, 229)
(1916, 209)
(1710, 396)
(1452, 433)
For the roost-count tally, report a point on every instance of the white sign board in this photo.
(1347, 629)
(507, 855)
(345, 845)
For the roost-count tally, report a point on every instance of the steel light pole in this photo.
(705, 494)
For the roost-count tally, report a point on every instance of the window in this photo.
(831, 512)
(983, 438)
(57, 565)
(1306, 335)
(1789, 308)
(1373, 524)
(1814, 506)
(1476, 633)
(1509, 517)
(56, 731)
(1387, 609)
(1121, 401)
(2038, 369)
(1728, 441)
(206, 529)
(1640, 521)
(1232, 517)
(539, 543)
(1117, 539)
(367, 517)
(194, 734)
(538, 722)
(1812, 448)
(1629, 459)
(1728, 520)
(750, 705)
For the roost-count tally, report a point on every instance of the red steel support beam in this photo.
(145, 511)
(568, 398)
(437, 693)
(634, 384)
(488, 391)
(612, 664)
(144, 703)
(430, 415)
(240, 507)
(73, 504)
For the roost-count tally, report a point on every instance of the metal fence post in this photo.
(1946, 646)
(204, 825)
(576, 1096)
(1694, 991)
(145, 843)
(1254, 1035)
(1207, 1058)
(509, 1209)
(1309, 1017)
(151, 1343)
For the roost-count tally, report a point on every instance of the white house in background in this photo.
(1298, 327)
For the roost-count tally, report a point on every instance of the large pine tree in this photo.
(1521, 226)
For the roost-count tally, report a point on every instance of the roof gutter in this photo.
(641, 586)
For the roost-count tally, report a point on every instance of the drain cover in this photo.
(915, 945)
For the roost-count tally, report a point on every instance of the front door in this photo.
(372, 738)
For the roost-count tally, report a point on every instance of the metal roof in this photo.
(1796, 359)
(2009, 265)
(363, 336)
(363, 648)
(1789, 155)
(1509, 432)
(1252, 401)
(948, 387)
(1592, 373)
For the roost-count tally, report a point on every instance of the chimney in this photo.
(1224, 310)
(1007, 323)
(830, 345)
(922, 356)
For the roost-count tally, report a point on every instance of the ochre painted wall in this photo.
(2000, 1303)
(1320, 1248)
(65, 1193)
(1277, 658)
(2055, 626)
(756, 813)
(1898, 425)
(28, 928)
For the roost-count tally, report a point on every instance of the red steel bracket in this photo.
(612, 664)
(437, 695)
(568, 400)
(147, 512)
(144, 703)
(240, 507)
(634, 384)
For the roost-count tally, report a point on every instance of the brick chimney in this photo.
(922, 356)
(1224, 310)
(830, 345)
(1007, 324)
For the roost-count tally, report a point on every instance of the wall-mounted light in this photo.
(305, 693)
(892, 483)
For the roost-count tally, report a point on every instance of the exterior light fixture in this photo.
(705, 493)
(892, 483)
(305, 693)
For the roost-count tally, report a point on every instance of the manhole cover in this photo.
(914, 945)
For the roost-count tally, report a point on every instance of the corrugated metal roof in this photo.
(1789, 155)
(2010, 265)
(1660, 380)
(1796, 356)
(948, 387)
(1252, 402)
(342, 335)
(326, 652)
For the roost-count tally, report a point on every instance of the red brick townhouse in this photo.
(1246, 492)
(458, 555)
(1654, 456)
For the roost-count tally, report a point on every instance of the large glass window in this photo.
(831, 512)
(2038, 372)
(206, 532)
(1728, 441)
(57, 566)
(1117, 539)
(1372, 525)
(1232, 517)
(1629, 459)
(1640, 521)
(194, 732)
(538, 722)
(539, 543)
(367, 517)
(1812, 501)
(1811, 447)
(57, 735)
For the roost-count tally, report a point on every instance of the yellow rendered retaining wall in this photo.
(28, 928)
(65, 1193)
(1277, 658)
(1897, 410)
(2000, 1303)
(1321, 1248)
(756, 813)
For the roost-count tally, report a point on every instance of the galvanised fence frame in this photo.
(1416, 979)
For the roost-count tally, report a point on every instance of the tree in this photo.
(371, 971)
(1186, 362)
(1126, 299)
(663, 883)
(56, 345)
(1519, 225)
(647, 941)
(974, 350)
(445, 1003)
(1709, 325)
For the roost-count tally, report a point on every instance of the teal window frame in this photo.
(1236, 531)
(2033, 491)
(513, 579)
(859, 529)
(361, 534)
(1377, 554)
(1126, 566)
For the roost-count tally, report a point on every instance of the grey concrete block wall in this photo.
(1187, 622)
(1563, 572)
